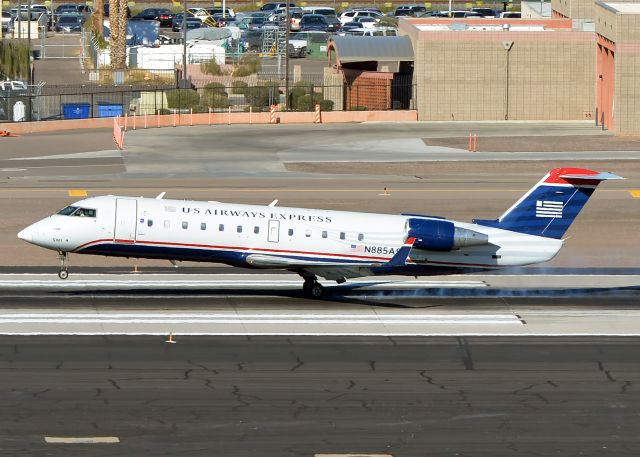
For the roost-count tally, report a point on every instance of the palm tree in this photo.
(118, 34)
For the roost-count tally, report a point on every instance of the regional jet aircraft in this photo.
(335, 245)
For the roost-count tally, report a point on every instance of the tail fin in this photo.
(550, 207)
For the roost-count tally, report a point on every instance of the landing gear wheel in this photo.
(315, 290)
(63, 257)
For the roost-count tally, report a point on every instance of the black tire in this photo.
(316, 290)
(63, 274)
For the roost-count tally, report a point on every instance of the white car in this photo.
(349, 16)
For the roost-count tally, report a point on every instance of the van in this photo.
(324, 10)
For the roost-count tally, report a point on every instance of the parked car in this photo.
(162, 15)
(511, 15)
(486, 12)
(193, 22)
(315, 22)
(363, 22)
(228, 12)
(410, 10)
(350, 15)
(324, 10)
(275, 5)
(382, 31)
(7, 25)
(69, 23)
(252, 22)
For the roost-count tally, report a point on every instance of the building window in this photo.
(167, 224)
(360, 236)
(203, 226)
(239, 229)
(324, 234)
(149, 223)
(290, 232)
(256, 229)
(307, 233)
(342, 235)
(185, 224)
(221, 228)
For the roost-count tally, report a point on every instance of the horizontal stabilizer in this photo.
(604, 176)
(400, 257)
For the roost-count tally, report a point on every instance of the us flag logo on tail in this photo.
(546, 208)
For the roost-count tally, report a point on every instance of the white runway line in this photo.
(258, 319)
(82, 440)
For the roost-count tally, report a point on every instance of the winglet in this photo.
(400, 257)
(161, 195)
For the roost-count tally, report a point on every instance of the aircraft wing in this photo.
(330, 269)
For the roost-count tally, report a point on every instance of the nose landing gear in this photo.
(63, 257)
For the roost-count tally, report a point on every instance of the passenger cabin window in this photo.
(167, 224)
(290, 232)
(221, 228)
(307, 233)
(149, 223)
(185, 224)
(360, 236)
(239, 229)
(324, 234)
(342, 235)
(203, 226)
(256, 229)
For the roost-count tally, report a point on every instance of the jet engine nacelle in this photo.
(441, 235)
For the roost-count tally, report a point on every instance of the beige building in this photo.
(584, 63)
(497, 69)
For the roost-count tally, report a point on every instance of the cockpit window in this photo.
(68, 211)
(85, 212)
(77, 211)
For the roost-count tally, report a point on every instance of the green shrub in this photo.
(238, 87)
(215, 88)
(182, 98)
(359, 108)
(215, 101)
(210, 67)
(260, 97)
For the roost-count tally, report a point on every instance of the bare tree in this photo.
(118, 34)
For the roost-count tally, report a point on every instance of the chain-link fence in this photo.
(302, 95)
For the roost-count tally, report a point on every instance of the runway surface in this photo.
(273, 304)
(275, 397)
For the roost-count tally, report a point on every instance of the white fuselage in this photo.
(236, 234)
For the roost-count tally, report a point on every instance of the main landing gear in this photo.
(312, 288)
(63, 257)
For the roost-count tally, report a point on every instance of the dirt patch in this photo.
(571, 143)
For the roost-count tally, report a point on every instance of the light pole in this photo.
(287, 24)
(185, 81)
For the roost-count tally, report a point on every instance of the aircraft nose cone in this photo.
(26, 234)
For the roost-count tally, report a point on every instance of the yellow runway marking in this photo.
(77, 193)
(635, 193)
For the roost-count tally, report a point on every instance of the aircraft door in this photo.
(126, 220)
(274, 231)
